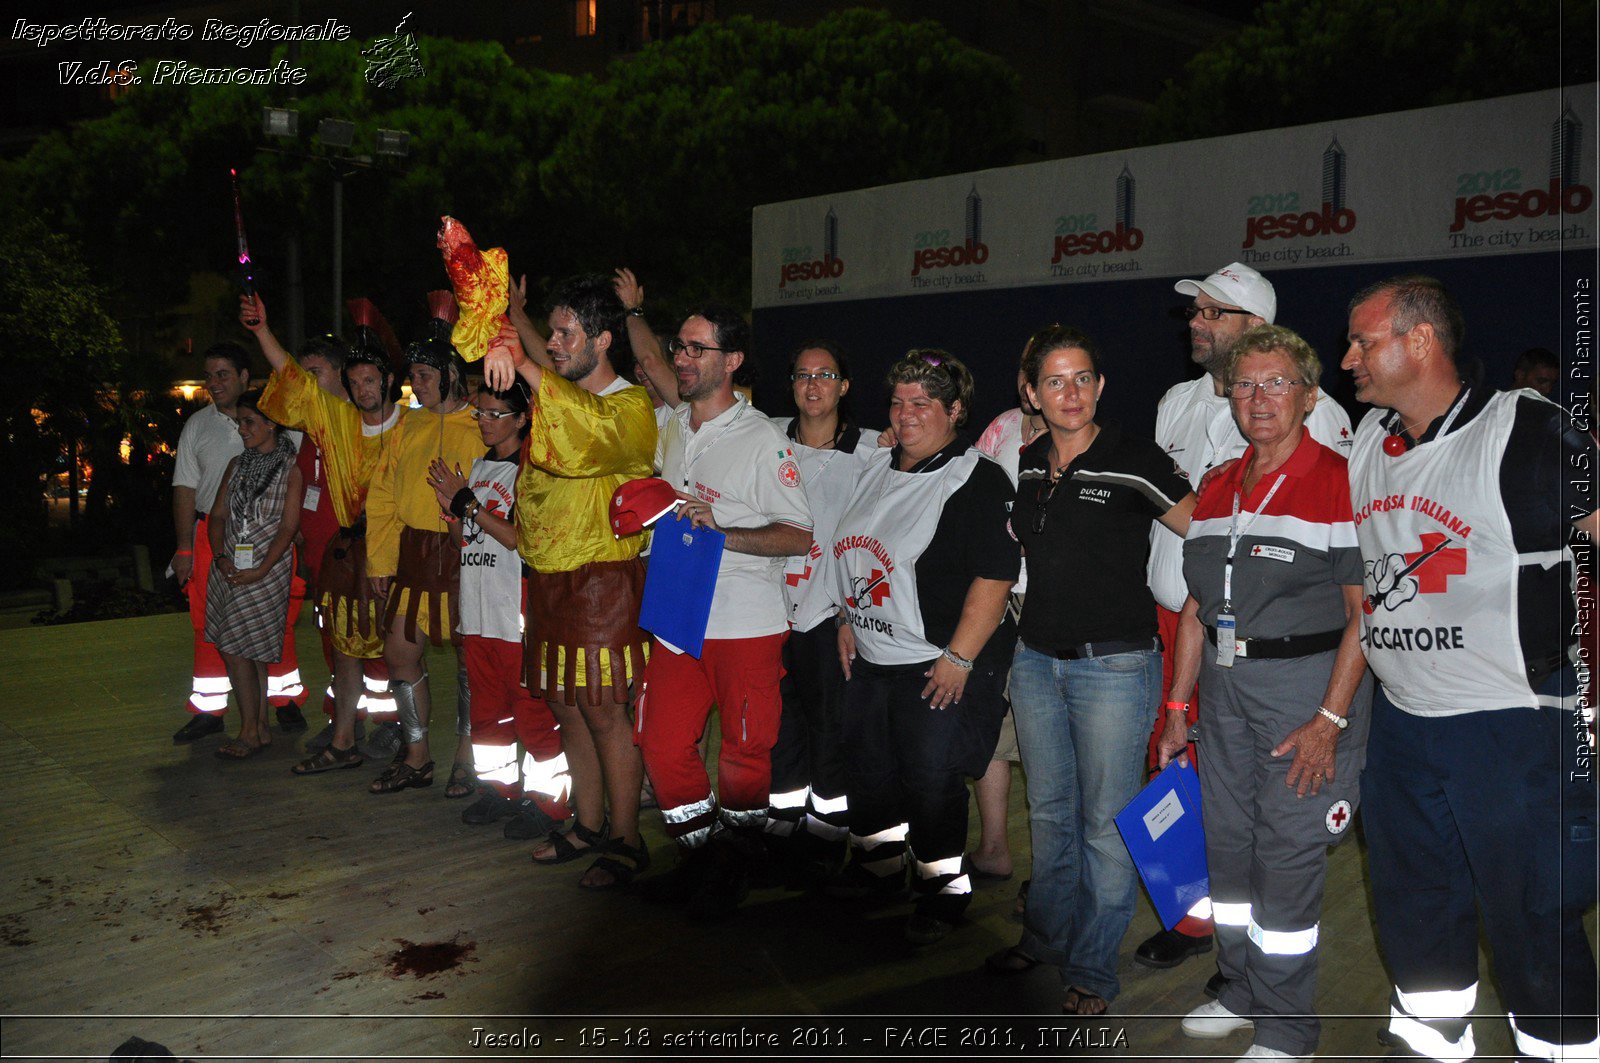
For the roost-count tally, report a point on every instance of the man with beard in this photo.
(737, 473)
(591, 431)
(350, 436)
(1195, 426)
(210, 440)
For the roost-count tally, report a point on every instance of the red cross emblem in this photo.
(1338, 817)
(1433, 573)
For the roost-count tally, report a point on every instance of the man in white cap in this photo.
(1195, 426)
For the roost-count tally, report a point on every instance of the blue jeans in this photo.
(1083, 726)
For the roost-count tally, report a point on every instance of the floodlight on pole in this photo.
(395, 143)
(280, 122)
(336, 132)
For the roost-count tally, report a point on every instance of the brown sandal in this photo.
(235, 749)
(329, 758)
(402, 776)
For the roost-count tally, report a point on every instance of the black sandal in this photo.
(623, 862)
(566, 852)
(463, 781)
(402, 776)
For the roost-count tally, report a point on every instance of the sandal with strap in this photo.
(236, 749)
(565, 852)
(623, 862)
(1076, 1001)
(402, 776)
(329, 758)
(463, 781)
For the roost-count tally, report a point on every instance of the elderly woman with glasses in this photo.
(922, 562)
(1086, 678)
(1272, 628)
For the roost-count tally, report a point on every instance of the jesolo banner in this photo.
(1506, 176)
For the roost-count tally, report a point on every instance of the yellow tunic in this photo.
(581, 448)
(294, 399)
(400, 495)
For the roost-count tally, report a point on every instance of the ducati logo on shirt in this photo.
(1396, 579)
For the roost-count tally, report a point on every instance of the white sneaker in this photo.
(1211, 1020)
(1257, 1052)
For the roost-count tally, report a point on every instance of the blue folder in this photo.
(680, 581)
(1165, 836)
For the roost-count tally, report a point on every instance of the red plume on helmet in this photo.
(443, 312)
(373, 332)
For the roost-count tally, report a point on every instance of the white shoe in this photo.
(1257, 1052)
(1211, 1020)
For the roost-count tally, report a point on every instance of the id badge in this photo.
(313, 497)
(1227, 624)
(244, 556)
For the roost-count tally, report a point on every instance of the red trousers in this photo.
(741, 677)
(209, 687)
(504, 714)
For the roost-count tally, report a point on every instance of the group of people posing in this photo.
(872, 628)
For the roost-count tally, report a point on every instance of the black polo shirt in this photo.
(1086, 568)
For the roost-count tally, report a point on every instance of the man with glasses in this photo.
(737, 473)
(1195, 426)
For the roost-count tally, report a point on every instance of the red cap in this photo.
(638, 504)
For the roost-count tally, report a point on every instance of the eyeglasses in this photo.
(1041, 502)
(806, 378)
(693, 350)
(1210, 313)
(493, 415)
(1277, 387)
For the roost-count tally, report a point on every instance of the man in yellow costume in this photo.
(592, 431)
(353, 437)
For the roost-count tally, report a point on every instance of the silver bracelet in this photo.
(1333, 717)
(956, 659)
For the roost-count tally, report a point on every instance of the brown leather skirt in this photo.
(426, 585)
(582, 631)
(354, 618)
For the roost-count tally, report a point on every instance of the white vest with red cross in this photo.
(873, 555)
(1439, 602)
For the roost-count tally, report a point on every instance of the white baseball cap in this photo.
(1237, 285)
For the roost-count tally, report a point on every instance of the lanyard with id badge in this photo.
(1227, 622)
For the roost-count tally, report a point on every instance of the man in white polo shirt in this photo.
(1195, 426)
(210, 439)
(737, 472)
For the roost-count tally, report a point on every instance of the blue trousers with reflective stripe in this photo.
(1497, 807)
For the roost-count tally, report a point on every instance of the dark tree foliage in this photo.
(1305, 61)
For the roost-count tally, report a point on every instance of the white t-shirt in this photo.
(830, 477)
(491, 574)
(743, 464)
(209, 440)
(1195, 426)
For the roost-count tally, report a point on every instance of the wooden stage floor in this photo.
(231, 910)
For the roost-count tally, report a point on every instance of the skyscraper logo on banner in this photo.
(1509, 194)
(934, 250)
(801, 271)
(1084, 234)
(1285, 216)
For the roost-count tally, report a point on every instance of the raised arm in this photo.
(253, 316)
(646, 348)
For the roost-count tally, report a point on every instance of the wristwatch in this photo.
(1333, 717)
(636, 311)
